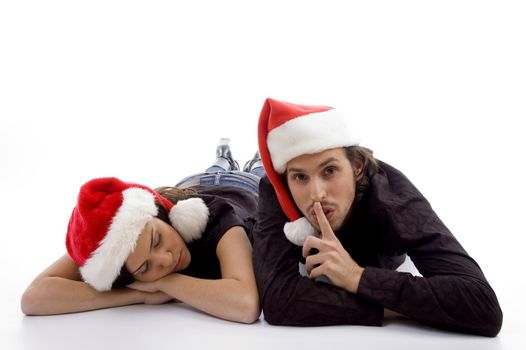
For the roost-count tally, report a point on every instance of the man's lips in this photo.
(329, 212)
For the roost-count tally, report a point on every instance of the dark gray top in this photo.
(392, 219)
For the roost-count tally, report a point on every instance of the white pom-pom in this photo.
(297, 231)
(190, 217)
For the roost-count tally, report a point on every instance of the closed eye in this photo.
(157, 240)
(146, 265)
(145, 268)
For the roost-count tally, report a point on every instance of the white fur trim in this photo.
(311, 133)
(298, 231)
(190, 217)
(104, 265)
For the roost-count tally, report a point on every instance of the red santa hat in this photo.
(286, 131)
(109, 217)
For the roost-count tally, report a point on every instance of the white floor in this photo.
(175, 326)
(143, 91)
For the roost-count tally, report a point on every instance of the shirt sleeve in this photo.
(287, 297)
(223, 216)
(452, 292)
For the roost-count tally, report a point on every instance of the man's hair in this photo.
(173, 194)
(370, 167)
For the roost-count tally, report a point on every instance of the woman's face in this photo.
(160, 250)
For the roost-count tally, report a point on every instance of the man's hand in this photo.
(332, 260)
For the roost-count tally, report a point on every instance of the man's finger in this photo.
(317, 271)
(325, 227)
(313, 261)
(310, 244)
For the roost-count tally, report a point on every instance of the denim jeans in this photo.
(218, 176)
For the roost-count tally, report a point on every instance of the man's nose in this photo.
(317, 190)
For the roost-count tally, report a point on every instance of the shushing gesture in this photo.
(332, 260)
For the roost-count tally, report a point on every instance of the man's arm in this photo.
(287, 297)
(454, 296)
(452, 292)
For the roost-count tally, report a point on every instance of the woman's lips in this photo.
(178, 262)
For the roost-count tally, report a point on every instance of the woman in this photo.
(128, 244)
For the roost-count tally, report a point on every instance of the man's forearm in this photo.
(296, 300)
(449, 302)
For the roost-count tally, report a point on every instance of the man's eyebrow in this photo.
(330, 160)
(295, 170)
(321, 165)
(151, 245)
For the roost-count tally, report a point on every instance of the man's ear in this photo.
(358, 169)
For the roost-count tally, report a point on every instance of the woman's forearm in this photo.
(57, 295)
(225, 298)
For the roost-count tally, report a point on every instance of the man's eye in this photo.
(330, 170)
(158, 240)
(299, 177)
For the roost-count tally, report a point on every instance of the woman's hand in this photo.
(148, 287)
(156, 298)
(151, 292)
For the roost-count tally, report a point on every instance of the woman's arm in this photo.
(234, 297)
(59, 290)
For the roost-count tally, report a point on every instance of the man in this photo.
(353, 218)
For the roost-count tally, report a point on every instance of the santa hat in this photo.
(286, 131)
(109, 217)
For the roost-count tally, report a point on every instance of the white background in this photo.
(143, 91)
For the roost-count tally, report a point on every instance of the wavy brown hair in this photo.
(175, 194)
(370, 167)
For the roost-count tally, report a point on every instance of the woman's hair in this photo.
(370, 167)
(173, 194)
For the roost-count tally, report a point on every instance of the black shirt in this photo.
(392, 219)
(229, 206)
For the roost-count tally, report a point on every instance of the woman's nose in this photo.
(165, 258)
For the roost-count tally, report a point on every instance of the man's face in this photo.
(326, 177)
